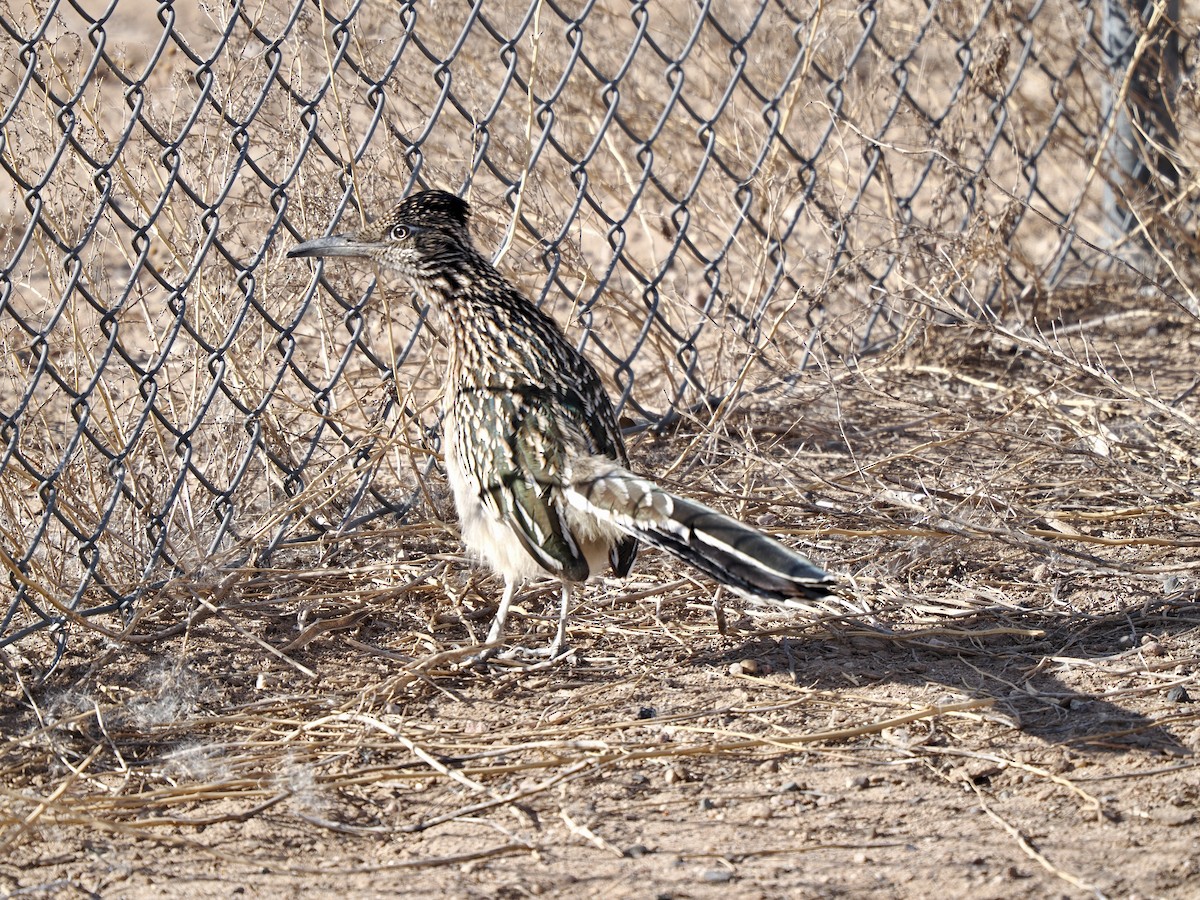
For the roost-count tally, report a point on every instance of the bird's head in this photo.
(419, 236)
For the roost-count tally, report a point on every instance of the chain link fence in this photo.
(711, 197)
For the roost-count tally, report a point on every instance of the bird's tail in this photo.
(736, 555)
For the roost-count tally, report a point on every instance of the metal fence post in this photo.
(1143, 169)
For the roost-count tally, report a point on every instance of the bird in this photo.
(533, 454)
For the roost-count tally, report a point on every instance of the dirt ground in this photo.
(1013, 511)
(1014, 716)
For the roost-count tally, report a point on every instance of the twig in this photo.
(1031, 851)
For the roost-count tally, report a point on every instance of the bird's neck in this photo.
(495, 329)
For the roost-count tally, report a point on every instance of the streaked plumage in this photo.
(533, 453)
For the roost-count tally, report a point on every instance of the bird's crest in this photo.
(431, 209)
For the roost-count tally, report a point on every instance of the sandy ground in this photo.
(1016, 719)
(1013, 716)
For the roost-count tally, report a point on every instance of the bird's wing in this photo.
(592, 421)
(514, 448)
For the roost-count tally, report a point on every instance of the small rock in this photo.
(647, 712)
(757, 811)
(977, 771)
(859, 782)
(1172, 817)
(717, 876)
(637, 851)
(744, 667)
(1179, 694)
(1152, 648)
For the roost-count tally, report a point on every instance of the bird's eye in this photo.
(400, 232)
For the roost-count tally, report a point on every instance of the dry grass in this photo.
(1022, 532)
(999, 705)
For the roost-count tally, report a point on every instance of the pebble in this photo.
(717, 876)
(744, 667)
(1172, 818)
(756, 811)
(976, 771)
(1179, 694)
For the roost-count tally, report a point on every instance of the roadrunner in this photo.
(533, 453)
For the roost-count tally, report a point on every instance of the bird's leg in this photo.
(558, 646)
(495, 636)
(496, 632)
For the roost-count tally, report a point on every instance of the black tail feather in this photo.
(736, 555)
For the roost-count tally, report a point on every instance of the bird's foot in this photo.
(478, 660)
(526, 658)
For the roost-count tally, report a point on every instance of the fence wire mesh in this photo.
(710, 196)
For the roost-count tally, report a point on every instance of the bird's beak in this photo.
(334, 245)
